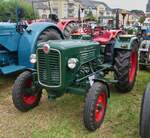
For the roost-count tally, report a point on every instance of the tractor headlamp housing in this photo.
(33, 58)
(72, 63)
(46, 48)
(144, 46)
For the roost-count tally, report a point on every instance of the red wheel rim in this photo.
(133, 63)
(100, 106)
(29, 99)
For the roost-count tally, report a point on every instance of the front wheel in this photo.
(95, 106)
(145, 114)
(142, 67)
(26, 95)
(126, 63)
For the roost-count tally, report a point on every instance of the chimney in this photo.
(148, 7)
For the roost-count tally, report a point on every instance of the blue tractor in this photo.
(18, 41)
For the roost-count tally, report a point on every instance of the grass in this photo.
(62, 118)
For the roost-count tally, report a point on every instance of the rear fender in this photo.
(144, 46)
(28, 41)
(126, 42)
(63, 23)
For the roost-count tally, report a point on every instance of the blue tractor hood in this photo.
(5, 25)
(9, 37)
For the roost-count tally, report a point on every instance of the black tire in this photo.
(145, 114)
(93, 117)
(69, 29)
(125, 69)
(142, 67)
(23, 99)
(49, 34)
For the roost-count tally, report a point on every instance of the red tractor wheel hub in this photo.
(100, 106)
(29, 99)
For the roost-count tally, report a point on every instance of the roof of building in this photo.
(39, 4)
(95, 2)
(87, 3)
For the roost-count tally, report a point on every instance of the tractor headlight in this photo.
(72, 63)
(33, 58)
(144, 46)
(46, 48)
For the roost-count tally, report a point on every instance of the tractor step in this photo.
(11, 69)
(3, 51)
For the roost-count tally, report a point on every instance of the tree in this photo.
(89, 16)
(138, 12)
(142, 19)
(8, 9)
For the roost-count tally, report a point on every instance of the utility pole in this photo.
(33, 11)
(49, 6)
(117, 19)
(79, 13)
(124, 13)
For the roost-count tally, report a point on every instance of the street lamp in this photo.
(117, 19)
(123, 13)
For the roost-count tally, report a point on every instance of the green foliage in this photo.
(89, 16)
(8, 9)
(139, 12)
(62, 118)
(142, 19)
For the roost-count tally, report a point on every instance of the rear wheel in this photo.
(26, 95)
(69, 29)
(126, 69)
(142, 67)
(95, 106)
(145, 114)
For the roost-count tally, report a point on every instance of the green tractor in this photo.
(79, 67)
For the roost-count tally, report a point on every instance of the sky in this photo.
(126, 4)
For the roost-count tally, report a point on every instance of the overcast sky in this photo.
(126, 4)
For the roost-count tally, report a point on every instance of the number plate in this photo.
(91, 79)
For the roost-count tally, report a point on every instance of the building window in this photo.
(65, 10)
(55, 11)
(44, 16)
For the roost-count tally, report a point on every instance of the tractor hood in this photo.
(81, 49)
(54, 57)
(5, 25)
(9, 37)
(125, 41)
(64, 45)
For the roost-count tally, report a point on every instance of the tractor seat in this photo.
(103, 39)
(114, 34)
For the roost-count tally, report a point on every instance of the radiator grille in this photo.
(49, 68)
